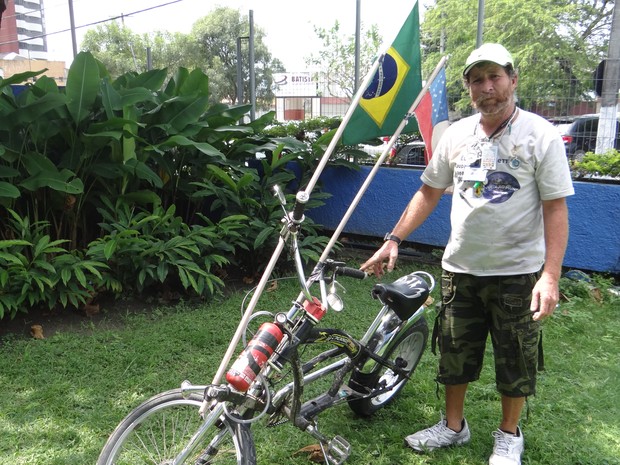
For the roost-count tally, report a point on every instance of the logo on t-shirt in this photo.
(500, 186)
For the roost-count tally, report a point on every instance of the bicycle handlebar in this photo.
(350, 272)
(301, 199)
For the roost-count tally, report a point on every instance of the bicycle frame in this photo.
(348, 354)
(381, 338)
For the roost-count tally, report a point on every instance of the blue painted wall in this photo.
(594, 214)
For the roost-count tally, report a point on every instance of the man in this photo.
(502, 263)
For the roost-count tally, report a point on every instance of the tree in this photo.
(121, 50)
(211, 46)
(556, 45)
(117, 47)
(215, 37)
(172, 51)
(336, 61)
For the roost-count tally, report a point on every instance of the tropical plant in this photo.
(35, 270)
(190, 185)
(144, 249)
(139, 137)
(308, 130)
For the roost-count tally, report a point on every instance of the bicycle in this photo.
(211, 423)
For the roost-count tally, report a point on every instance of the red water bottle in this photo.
(248, 365)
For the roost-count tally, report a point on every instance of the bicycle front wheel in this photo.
(157, 430)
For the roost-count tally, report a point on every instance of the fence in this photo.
(300, 96)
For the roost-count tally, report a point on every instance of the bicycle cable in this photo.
(249, 421)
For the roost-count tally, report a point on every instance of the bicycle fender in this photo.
(387, 338)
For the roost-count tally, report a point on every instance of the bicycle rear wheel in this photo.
(407, 351)
(157, 430)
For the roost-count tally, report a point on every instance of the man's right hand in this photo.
(388, 251)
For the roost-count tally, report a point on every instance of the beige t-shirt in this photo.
(496, 217)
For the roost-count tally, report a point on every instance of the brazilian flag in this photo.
(394, 87)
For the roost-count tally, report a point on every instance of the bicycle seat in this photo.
(404, 296)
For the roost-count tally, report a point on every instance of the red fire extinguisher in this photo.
(248, 365)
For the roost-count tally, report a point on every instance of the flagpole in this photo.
(347, 117)
(378, 163)
(278, 251)
(308, 189)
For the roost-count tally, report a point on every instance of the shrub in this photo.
(607, 164)
(191, 185)
(34, 270)
(144, 249)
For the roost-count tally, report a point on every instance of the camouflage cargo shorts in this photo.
(474, 306)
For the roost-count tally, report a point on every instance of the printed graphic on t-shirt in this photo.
(499, 187)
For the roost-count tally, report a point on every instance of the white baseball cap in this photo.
(494, 53)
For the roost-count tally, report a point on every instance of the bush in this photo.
(191, 187)
(34, 270)
(607, 164)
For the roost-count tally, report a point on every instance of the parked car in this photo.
(580, 136)
(562, 123)
(409, 153)
(375, 150)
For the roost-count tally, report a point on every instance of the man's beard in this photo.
(493, 105)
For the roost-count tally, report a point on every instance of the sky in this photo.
(289, 24)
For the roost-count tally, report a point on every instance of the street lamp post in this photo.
(252, 85)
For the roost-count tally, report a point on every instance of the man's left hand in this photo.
(545, 297)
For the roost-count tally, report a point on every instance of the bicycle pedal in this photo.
(338, 450)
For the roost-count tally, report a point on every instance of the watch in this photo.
(392, 237)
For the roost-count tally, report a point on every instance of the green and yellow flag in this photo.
(394, 87)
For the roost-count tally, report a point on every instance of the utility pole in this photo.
(252, 70)
(607, 124)
(357, 44)
(239, 72)
(480, 23)
(72, 22)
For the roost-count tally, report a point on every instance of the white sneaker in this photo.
(508, 448)
(437, 436)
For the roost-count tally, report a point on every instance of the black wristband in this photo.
(392, 237)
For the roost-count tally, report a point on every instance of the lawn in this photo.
(63, 395)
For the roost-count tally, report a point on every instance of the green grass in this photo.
(62, 396)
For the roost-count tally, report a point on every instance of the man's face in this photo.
(491, 89)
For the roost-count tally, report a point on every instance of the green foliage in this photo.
(556, 45)
(303, 130)
(572, 289)
(317, 133)
(189, 189)
(211, 46)
(336, 60)
(143, 249)
(215, 38)
(241, 191)
(606, 164)
(37, 271)
(583, 288)
(117, 46)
